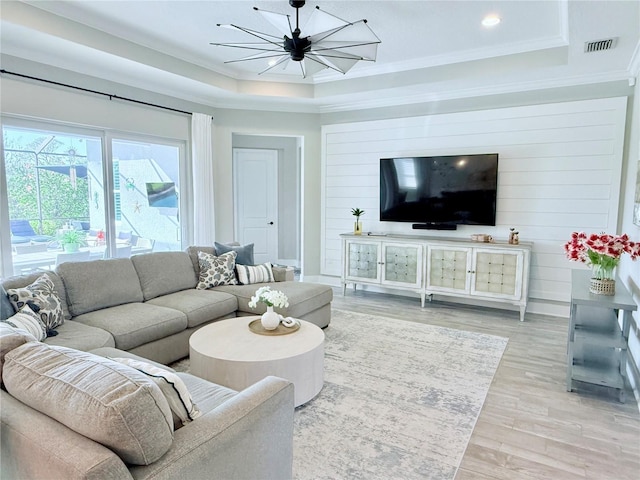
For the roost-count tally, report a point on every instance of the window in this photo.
(56, 184)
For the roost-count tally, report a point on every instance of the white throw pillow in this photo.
(173, 388)
(216, 271)
(28, 321)
(249, 274)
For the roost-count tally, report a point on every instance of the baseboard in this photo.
(537, 306)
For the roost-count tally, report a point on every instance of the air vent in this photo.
(600, 45)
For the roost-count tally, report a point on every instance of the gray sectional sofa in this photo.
(143, 307)
(148, 304)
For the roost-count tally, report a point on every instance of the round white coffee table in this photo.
(229, 354)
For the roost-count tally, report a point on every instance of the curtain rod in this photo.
(111, 96)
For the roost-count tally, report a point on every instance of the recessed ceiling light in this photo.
(490, 21)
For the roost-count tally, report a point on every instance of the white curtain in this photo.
(204, 230)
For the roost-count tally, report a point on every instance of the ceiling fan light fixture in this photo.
(328, 42)
(491, 21)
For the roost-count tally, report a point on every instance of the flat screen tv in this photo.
(441, 192)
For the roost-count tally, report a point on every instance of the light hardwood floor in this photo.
(530, 427)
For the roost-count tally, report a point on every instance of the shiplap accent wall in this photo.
(559, 170)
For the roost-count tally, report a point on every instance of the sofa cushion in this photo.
(171, 386)
(303, 297)
(10, 338)
(42, 297)
(28, 321)
(20, 281)
(193, 254)
(216, 271)
(161, 273)
(81, 337)
(206, 395)
(245, 252)
(248, 275)
(99, 284)
(135, 324)
(200, 306)
(103, 400)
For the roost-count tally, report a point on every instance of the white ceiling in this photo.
(431, 50)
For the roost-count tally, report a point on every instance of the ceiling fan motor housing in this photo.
(297, 3)
(297, 46)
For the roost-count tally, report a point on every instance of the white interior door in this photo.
(256, 201)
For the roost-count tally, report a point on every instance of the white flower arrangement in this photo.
(272, 298)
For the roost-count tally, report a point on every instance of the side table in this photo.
(597, 344)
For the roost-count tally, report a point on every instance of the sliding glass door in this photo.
(75, 194)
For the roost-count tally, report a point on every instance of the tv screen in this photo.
(162, 194)
(448, 190)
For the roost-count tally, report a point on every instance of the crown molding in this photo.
(411, 97)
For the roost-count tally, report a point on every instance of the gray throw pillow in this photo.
(245, 252)
(6, 309)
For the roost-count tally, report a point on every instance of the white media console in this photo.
(495, 272)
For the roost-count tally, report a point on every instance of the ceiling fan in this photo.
(328, 42)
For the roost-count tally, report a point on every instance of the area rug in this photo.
(400, 400)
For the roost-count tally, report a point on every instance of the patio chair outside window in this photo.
(22, 232)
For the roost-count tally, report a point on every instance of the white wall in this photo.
(241, 122)
(629, 271)
(559, 171)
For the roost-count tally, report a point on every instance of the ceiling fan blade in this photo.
(281, 60)
(267, 37)
(258, 56)
(279, 20)
(321, 61)
(321, 21)
(338, 63)
(364, 51)
(357, 32)
(313, 65)
(265, 47)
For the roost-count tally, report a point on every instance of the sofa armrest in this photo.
(283, 274)
(250, 436)
(37, 446)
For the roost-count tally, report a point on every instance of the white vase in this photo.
(270, 319)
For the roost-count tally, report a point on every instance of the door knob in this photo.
(270, 223)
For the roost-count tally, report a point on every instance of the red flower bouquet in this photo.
(601, 250)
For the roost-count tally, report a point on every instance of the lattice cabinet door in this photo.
(448, 269)
(402, 264)
(363, 261)
(497, 273)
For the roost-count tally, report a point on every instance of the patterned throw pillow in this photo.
(173, 388)
(254, 274)
(43, 299)
(27, 320)
(216, 271)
